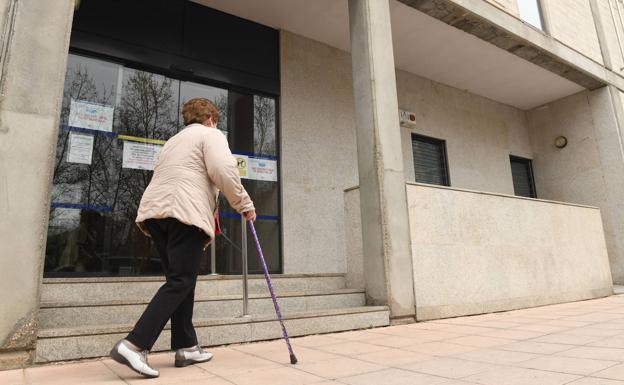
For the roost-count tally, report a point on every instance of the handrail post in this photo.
(245, 268)
(213, 258)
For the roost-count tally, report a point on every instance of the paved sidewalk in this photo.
(580, 343)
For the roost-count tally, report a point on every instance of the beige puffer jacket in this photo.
(193, 166)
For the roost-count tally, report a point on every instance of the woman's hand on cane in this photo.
(250, 215)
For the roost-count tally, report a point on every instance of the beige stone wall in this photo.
(319, 158)
(479, 253)
(480, 134)
(590, 169)
(572, 23)
(319, 154)
(612, 30)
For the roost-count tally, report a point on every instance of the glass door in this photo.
(114, 121)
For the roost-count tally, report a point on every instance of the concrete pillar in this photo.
(388, 266)
(608, 118)
(33, 56)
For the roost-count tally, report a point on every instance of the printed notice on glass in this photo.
(80, 148)
(140, 156)
(91, 116)
(262, 169)
(241, 164)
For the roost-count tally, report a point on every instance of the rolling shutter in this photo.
(430, 164)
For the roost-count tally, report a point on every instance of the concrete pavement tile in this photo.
(518, 319)
(449, 367)
(566, 339)
(611, 342)
(595, 381)
(393, 376)
(535, 347)
(439, 348)
(590, 331)
(393, 357)
(276, 376)
(615, 373)
(498, 324)
(428, 326)
(199, 381)
(420, 334)
(231, 362)
(479, 341)
(394, 341)
(607, 354)
(74, 373)
(500, 357)
(566, 323)
(570, 365)
(255, 348)
(360, 335)
(540, 327)
(351, 348)
(609, 325)
(12, 377)
(303, 355)
(315, 340)
(329, 382)
(595, 317)
(520, 376)
(514, 334)
(338, 368)
(470, 330)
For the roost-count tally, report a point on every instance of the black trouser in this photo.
(180, 249)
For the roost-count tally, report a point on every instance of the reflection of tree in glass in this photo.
(148, 110)
(72, 180)
(264, 125)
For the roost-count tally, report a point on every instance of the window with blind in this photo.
(430, 163)
(522, 174)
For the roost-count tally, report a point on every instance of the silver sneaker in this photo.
(190, 356)
(137, 361)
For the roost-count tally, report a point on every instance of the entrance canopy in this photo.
(423, 45)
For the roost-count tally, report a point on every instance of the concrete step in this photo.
(83, 313)
(94, 289)
(96, 341)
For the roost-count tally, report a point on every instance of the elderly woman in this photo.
(177, 212)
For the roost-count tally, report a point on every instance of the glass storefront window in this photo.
(108, 112)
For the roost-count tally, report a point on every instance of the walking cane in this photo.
(293, 359)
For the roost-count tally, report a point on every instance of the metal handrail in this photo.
(213, 258)
(245, 267)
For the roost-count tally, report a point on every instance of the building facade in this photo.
(409, 160)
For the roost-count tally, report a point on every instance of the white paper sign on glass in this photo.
(140, 156)
(91, 116)
(262, 169)
(80, 148)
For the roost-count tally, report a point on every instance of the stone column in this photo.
(607, 111)
(33, 56)
(388, 268)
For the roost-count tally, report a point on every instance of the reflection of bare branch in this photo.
(264, 125)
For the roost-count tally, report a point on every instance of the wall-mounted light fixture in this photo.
(561, 141)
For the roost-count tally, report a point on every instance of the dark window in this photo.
(522, 174)
(430, 163)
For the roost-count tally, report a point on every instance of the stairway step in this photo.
(94, 289)
(95, 341)
(70, 314)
